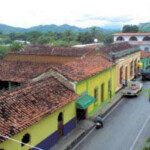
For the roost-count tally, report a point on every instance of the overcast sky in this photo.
(82, 13)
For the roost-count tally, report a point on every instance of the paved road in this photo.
(124, 129)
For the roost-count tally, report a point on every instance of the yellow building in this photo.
(37, 114)
(126, 57)
(94, 79)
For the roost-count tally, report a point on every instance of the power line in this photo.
(7, 137)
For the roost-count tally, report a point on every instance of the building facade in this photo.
(145, 59)
(140, 39)
(37, 118)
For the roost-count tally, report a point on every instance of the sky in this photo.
(81, 13)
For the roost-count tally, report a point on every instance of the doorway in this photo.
(81, 114)
(126, 75)
(60, 125)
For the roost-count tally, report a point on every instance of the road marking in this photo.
(94, 127)
(140, 132)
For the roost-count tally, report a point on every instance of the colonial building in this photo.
(51, 54)
(126, 57)
(38, 114)
(140, 39)
(94, 78)
(14, 73)
(145, 59)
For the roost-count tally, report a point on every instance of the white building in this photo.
(140, 39)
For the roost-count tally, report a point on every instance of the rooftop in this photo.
(55, 51)
(21, 71)
(23, 106)
(130, 34)
(84, 68)
(116, 47)
(145, 54)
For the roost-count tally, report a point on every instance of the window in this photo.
(96, 94)
(25, 139)
(121, 73)
(131, 68)
(109, 88)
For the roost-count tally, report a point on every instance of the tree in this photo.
(16, 46)
(108, 39)
(130, 29)
(43, 40)
(85, 37)
(68, 36)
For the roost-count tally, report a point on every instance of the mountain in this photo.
(46, 28)
(145, 27)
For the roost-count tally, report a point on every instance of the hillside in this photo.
(46, 28)
(145, 27)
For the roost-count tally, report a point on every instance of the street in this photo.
(126, 128)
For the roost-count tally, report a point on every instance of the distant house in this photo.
(14, 73)
(49, 54)
(140, 39)
(145, 59)
(126, 57)
(38, 114)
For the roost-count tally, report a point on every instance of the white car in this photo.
(133, 88)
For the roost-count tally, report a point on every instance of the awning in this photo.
(84, 101)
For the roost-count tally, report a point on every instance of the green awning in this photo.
(84, 101)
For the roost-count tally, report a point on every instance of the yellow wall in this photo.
(95, 81)
(42, 129)
(125, 62)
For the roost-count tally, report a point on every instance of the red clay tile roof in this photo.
(84, 68)
(56, 51)
(145, 54)
(21, 71)
(22, 107)
(135, 34)
(116, 47)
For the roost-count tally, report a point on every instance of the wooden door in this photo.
(60, 129)
(60, 125)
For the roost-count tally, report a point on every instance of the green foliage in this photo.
(43, 40)
(147, 147)
(85, 37)
(130, 29)
(16, 46)
(108, 39)
(4, 50)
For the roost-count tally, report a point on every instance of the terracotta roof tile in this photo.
(23, 106)
(145, 54)
(56, 51)
(84, 68)
(134, 34)
(116, 47)
(21, 71)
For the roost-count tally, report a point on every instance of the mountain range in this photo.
(144, 27)
(46, 28)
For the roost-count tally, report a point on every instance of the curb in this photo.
(73, 143)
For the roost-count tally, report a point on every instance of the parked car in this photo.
(133, 88)
(145, 74)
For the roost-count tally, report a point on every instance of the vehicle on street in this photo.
(133, 88)
(145, 74)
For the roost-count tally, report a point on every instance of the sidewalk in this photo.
(84, 126)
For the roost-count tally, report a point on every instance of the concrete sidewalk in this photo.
(84, 126)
